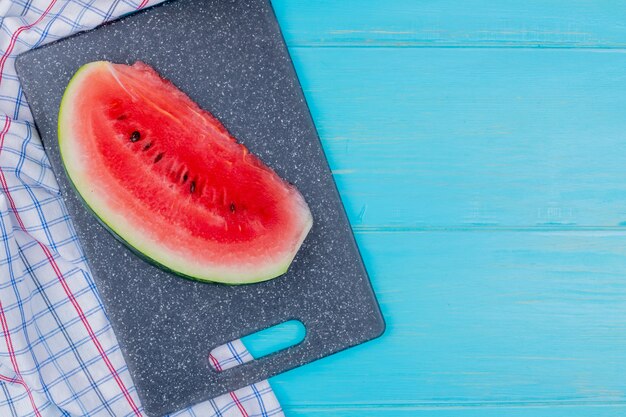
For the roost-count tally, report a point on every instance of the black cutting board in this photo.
(230, 57)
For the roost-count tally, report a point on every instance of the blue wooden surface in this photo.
(480, 150)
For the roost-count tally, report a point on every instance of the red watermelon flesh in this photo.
(168, 179)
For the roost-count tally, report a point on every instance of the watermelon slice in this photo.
(167, 178)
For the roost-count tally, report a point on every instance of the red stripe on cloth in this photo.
(239, 406)
(217, 366)
(5, 129)
(19, 379)
(5, 324)
(90, 331)
(66, 288)
(9, 380)
(142, 5)
(19, 30)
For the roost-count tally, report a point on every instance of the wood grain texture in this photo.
(482, 318)
(450, 23)
(472, 137)
(480, 150)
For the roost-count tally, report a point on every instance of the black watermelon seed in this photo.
(192, 187)
(147, 146)
(158, 157)
(135, 136)
(185, 176)
(232, 207)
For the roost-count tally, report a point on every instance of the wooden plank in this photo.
(465, 138)
(486, 186)
(406, 23)
(444, 410)
(492, 318)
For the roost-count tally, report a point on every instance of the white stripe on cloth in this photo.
(58, 354)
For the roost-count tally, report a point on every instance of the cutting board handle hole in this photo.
(262, 343)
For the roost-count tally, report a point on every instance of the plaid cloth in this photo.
(58, 354)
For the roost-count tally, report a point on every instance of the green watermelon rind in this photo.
(279, 269)
(152, 261)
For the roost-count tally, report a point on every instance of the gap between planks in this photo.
(453, 405)
(433, 45)
(486, 228)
